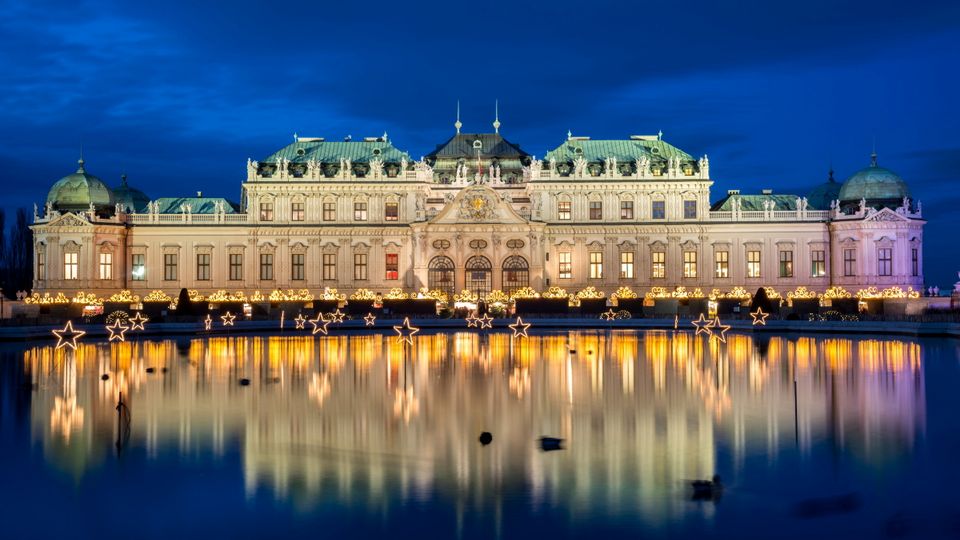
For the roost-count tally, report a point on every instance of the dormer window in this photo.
(477, 145)
(376, 151)
(301, 151)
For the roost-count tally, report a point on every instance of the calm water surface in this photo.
(357, 435)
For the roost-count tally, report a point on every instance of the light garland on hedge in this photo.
(436, 294)
(290, 295)
(736, 293)
(497, 296)
(888, 293)
(625, 293)
(679, 292)
(224, 296)
(124, 297)
(836, 292)
(395, 293)
(46, 299)
(157, 296)
(524, 292)
(363, 294)
(555, 293)
(801, 293)
(466, 296)
(590, 292)
(772, 293)
(332, 294)
(87, 299)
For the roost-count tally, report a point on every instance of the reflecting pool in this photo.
(360, 435)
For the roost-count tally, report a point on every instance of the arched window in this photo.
(440, 275)
(516, 273)
(479, 273)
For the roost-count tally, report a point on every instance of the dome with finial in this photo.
(77, 191)
(130, 198)
(821, 196)
(877, 185)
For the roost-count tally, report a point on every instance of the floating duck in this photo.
(707, 490)
(244, 382)
(548, 444)
(150, 370)
(486, 438)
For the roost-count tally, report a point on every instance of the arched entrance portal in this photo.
(440, 275)
(479, 275)
(516, 273)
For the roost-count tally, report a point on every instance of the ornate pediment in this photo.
(69, 220)
(885, 214)
(478, 204)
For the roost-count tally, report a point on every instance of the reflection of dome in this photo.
(879, 186)
(130, 198)
(78, 190)
(821, 196)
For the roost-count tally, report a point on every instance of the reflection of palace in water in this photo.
(359, 419)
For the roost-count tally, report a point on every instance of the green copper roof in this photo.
(304, 150)
(131, 198)
(624, 150)
(198, 205)
(78, 190)
(492, 145)
(755, 202)
(821, 196)
(875, 184)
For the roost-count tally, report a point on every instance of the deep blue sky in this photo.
(178, 95)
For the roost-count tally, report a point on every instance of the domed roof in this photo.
(130, 198)
(821, 196)
(875, 184)
(77, 191)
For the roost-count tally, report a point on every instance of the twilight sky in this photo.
(178, 94)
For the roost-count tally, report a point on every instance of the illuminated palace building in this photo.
(479, 213)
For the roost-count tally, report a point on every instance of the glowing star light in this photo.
(369, 319)
(486, 321)
(68, 336)
(759, 317)
(228, 318)
(319, 324)
(337, 316)
(519, 328)
(472, 320)
(208, 322)
(137, 322)
(405, 332)
(721, 329)
(703, 325)
(608, 315)
(300, 321)
(117, 330)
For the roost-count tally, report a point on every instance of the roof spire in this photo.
(458, 124)
(80, 161)
(123, 179)
(660, 135)
(830, 175)
(496, 119)
(569, 134)
(873, 154)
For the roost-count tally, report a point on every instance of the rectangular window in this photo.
(359, 266)
(329, 266)
(626, 265)
(106, 266)
(689, 264)
(296, 266)
(915, 259)
(391, 211)
(203, 266)
(170, 266)
(596, 265)
(658, 261)
(71, 265)
(596, 210)
(818, 263)
(296, 211)
(329, 211)
(393, 266)
(689, 209)
(138, 267)
(359, 211)
(41, 265)
(753, 264)
(626, 209)
(885, 261)
(266, 266)
(658, 209)
(722, 264)
(563, 210)
(566, 265)
(786, 264)
(266, 211)
(236, 266)
(849, 262)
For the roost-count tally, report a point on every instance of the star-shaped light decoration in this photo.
(319, 324)
(759, 317)
(300, 321)
(405, 332)
(337, 316)
(472, 320)
(117, 329)
(228, 318)
(486, 321)
(68, 336)
(721, 329)
(138, 320)
(519, 328)
(703, 325)
(608, 315)
(370, 319)
(208, 322)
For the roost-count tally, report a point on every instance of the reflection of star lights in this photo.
(405, 332)
(66, 416)
(319, 324)
(68, 336)
(721, 329)
(117, 329)
(319, 388)
(228, 318)
(608, 315)
(208, 322)
(300, 321)
(370, 319)
(486, 321)
(405, 404)
(759, 317)
(702, 325)
(337, 316)
(137, 321)
(519, 328)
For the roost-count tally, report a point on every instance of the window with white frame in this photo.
(565, 269)
(596, 265)
(71, 265)
(106, 266)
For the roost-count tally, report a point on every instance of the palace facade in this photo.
(478, 213)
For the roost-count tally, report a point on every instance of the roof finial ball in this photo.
(496, 119)
(458, 124)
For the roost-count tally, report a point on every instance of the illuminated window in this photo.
(393, 266)
(41, 265)
(296, 211)
(170, 266)
(266, 211)
(563, 210)
(626, 209)
(596, 210)
(915, 258)
(329, 211)
(203, 266)
(885, 261)
(786, 264)
(689, 209)
(359, 266)
(596, 265)
(753, 264)
(849, 262)
(626, 265)
(658, 209)
(266, 266)
(329, 266)
(818, 263)
(236, 266)
(359, 211)
(565, 269)
(296, 266)
(391, 211)
(658, 268)
(106, 266)
(138, 267)
(71, 265)
(689, 264)
(722, 264)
